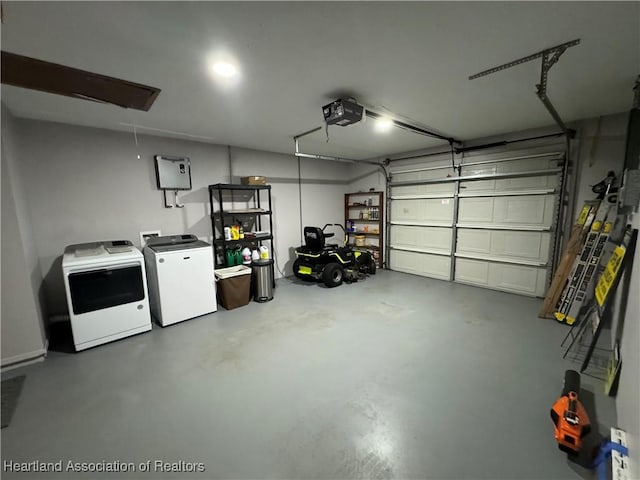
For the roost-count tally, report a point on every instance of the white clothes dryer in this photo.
(106, 290)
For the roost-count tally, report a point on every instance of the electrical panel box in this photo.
(173, 173)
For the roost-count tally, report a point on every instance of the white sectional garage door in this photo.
(421, 223)
(492, 225)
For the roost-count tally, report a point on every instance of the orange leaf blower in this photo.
(570, 419)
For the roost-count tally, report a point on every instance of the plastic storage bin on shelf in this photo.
(234, 286)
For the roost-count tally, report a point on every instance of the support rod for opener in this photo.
(552, 111)
(549, 58)
(412, 128)
(541, 88)
(335, 159)
(308, 132)
(528, 58)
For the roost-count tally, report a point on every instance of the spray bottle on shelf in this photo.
(246, 256)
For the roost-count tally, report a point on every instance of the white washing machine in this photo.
(106, 289)
(181, 277)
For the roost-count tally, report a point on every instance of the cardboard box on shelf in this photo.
(253, 180)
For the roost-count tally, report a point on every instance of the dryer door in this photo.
(105, 287)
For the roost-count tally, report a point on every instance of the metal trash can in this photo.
(262, 280)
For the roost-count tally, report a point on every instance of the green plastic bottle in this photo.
(231, 259)
(237, 255)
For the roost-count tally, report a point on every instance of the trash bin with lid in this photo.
(262, 280)
(234, 286)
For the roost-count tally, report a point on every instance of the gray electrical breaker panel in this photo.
(173, 173)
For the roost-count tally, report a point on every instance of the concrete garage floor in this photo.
(397, 376)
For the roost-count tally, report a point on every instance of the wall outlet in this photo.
(144, 236)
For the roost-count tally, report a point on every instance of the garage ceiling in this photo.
(410, 58)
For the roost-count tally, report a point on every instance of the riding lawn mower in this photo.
(331, 263)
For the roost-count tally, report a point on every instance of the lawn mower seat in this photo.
(314, 239)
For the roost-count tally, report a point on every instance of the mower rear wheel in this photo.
(372, 267)
(332, 275)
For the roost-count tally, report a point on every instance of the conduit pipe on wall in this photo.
(299, 193)
(297, 153)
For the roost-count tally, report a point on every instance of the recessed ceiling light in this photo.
(225, 69)
(383, 125)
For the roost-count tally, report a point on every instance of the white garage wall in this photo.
(22, 323)
(86, 184)
(601, 148)
(364, 177)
